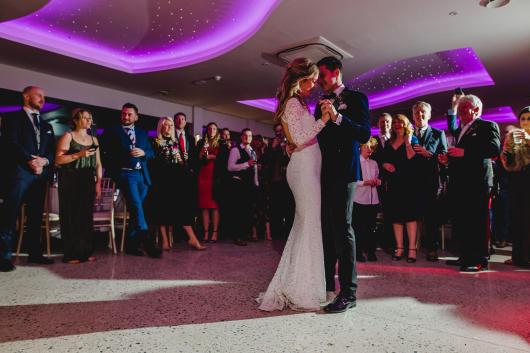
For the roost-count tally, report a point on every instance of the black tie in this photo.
(36, 120)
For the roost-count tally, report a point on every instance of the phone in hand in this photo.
(459, 91)
(93, 147)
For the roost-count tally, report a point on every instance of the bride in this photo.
(299, 281)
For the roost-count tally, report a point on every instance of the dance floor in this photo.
(193, 301)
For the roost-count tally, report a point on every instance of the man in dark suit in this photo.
(31, 144)
(128, 150)
(339, 142)
(186, 206)
(384, 123)
(471, 179)
(432, 143)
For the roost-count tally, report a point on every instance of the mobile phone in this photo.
(459, 91)
(93, 147)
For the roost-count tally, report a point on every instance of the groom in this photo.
(339, 142)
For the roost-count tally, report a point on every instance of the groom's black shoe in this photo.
(340, 305)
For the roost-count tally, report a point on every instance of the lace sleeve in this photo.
(294, 113)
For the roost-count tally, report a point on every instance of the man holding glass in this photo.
(471, 179)
(128, 150)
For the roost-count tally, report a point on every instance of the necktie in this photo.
(182, 144)
(36, 120)
(131, 134)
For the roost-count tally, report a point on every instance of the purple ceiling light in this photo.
(149, 36)
(13, 108)
(421, 75)
(413, 77)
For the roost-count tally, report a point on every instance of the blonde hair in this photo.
(212, 141)
(371, 144)
(159, 128)
(77, 114)
(408, 126)
(298, 70)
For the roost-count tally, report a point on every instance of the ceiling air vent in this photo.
(313, 49)
(493, 3)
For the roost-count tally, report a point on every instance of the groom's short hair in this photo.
(331, 63)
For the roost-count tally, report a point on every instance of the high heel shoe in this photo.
(397, 257)
(196, 245)
(214, 238)
(410, 259)
(206, 237)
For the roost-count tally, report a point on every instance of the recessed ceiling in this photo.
(141, 35)
(409, 78)
(375, 32)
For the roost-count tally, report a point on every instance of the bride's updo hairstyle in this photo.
(298, 70)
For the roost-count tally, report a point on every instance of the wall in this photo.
(15, 78)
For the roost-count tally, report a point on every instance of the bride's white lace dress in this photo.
(299, 281)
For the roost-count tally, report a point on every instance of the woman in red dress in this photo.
(208, 151)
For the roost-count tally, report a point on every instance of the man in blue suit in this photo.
(30, 143)
(339, 142)
(128, 150)
(432, 143)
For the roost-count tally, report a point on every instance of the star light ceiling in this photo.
(141, 35)
(409, 78)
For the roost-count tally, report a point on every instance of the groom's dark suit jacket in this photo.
(340, 143)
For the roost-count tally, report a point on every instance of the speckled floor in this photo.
(203, 302)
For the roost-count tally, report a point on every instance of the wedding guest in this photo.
(222, 180)
(242, 165)
(209, 148)
(403, 198)
(186, 181)
(366, 204)
(516, 159)
(384, 123)
(128, 151)
(80, 174)
(31, 144)
(431, 143)
(164, 195)
(470, 179)
(262, 208)
(281, 197)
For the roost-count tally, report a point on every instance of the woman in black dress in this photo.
(165, 194)
(80, 174)
(402, 195)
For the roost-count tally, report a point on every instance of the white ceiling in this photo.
(376, 32)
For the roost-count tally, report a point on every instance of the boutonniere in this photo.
(340, 101)
(49, 132)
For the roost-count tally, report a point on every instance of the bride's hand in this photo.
(326, 112)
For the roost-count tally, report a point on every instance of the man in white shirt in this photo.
(366, 204)
(242, 166)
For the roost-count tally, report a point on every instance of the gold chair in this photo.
(122, 215)
(104, 210)
(47, 219)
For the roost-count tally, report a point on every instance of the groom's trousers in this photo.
(338, 236)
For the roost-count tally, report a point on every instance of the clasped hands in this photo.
(37, 164)
(328, 110)
(372, 182)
